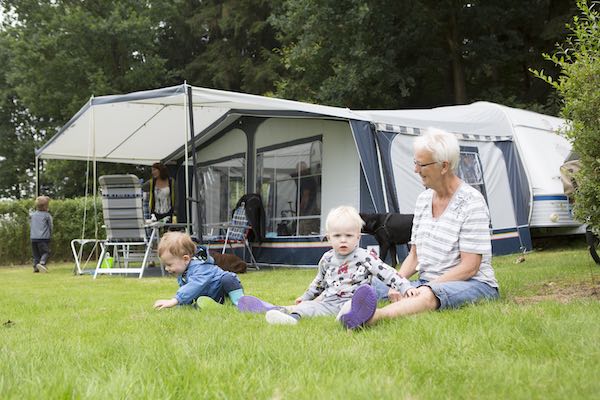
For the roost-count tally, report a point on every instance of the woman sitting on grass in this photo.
(341, 271)
(451, 245)
(200, 280)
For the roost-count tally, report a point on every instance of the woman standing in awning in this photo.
(162, 193)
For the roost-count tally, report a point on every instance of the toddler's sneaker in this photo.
(362, 308)
(42, 267)
(207, 303)
(251, 304)
(277, 317)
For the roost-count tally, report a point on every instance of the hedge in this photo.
(15, 247)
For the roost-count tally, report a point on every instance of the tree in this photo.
(351, 54)
(56, 53)
(424, 53)
(17, 139)
(233, 45)
(579, 61)
(62, 51)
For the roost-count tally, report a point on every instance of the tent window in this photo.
(289, 180)
(222, 184)
(470, 171)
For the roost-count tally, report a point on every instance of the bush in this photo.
(579, 60)
(15, 247)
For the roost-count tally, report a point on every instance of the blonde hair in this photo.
(41, 203)
(442, 145)
(179, 244)
(343, 214)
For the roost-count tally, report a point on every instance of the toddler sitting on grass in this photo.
(200, 281)
(342, 270)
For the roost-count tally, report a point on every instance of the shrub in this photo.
(67, 214)
(579, 61)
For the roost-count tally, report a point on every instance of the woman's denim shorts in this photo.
(452, 294)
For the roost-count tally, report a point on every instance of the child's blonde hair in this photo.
(41, 203)
(179, 244)
(343, 214)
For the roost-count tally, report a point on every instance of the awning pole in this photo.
(94, 165)
(194, 169)
(186, 170)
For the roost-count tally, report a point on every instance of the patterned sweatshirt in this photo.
(340, 276)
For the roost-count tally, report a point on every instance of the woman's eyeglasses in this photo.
(418, 164)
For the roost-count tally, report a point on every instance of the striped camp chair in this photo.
(237, 232)
(126, 233)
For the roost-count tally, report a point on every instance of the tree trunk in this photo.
(458, 73)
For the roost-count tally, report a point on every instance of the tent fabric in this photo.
(369, 161)
(505, 184)
(369, 151)
(479, 119)
(384, 140)
(407, 130)
(521, 195)
(143, 127)
(146, 126)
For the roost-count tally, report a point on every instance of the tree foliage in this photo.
(237, 43)
(578, 85)
(423, 53)
(58, 54)
(362, 54)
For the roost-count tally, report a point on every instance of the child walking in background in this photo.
(40, 233)
(200, 281)
(342, 270)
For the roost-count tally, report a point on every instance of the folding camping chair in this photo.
(125, 226)
(237, 232)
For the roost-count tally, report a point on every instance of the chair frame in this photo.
(125, 226)
(237, 231)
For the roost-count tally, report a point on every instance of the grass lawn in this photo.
(73, 337)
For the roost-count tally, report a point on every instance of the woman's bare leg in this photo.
(424, 301)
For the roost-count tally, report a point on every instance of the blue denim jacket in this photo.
(201, 278)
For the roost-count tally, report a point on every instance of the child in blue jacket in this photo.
(196, 277)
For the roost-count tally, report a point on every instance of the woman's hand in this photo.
(298, 300)
(412, 292)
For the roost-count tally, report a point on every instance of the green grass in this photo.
(73, 337)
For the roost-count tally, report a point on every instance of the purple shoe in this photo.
(362, 308)
(251, 304)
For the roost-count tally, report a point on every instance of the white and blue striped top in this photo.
(463, 227)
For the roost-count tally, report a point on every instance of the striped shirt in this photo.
(464, 226)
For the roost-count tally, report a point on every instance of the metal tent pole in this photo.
(194, 169)
(184, 163)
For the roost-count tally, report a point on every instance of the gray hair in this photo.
(441, 144)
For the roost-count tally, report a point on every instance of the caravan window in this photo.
(222, 183)
(289, 180)
(469, 170)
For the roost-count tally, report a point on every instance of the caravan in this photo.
(305, 159)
